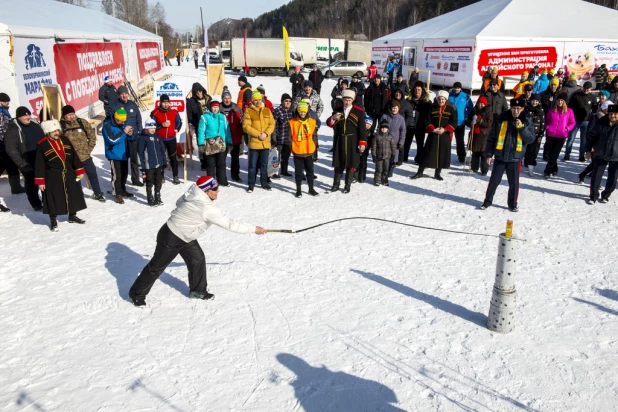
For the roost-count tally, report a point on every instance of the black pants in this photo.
(135, 173)
(178, 60)
(235, 165)
(7, 164)
(478, 161)
(410, 132)
(168, 247)
(170, 147)
(532, 151)
(598, 168)
(120, 172)
(195, 61)
(154, 178)
(381, 172)
(419, 135)
(460, 133)
(512, 174)
(587, 170)
(361, 172)
(32, 190)
(285, 150)
(215, 166)
(93, 178)
(302, 165)
(554, 146)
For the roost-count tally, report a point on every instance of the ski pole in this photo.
(279, 231)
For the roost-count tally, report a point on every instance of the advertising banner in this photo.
(34, 64)
(582, 58)
(448, 63)
(176, 93)
(148, 57)
(513, 61)
(81, 68)
(380, 55)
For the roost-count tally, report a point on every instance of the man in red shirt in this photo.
(168, 123)
(372, 71)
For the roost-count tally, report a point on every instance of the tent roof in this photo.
(556, 20)
(47, 18)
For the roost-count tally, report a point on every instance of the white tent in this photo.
(44, 41)
(511, 34)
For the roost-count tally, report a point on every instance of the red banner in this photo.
(148, 57)
(244, 47)
(515, 61)
(81, 68)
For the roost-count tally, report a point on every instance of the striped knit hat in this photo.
(256, 95)
(303, 107)
(573, 76)
(554, 81)
(206, 183)
(120, 115)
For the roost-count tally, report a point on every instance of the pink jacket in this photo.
(559, 125)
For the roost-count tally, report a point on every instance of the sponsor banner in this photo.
(34, 64)
(176, 93)
(582, 58)
(448, 63)
(380, 55)
(148, 57)
(81, 68)
(516, 60)
(336, 46)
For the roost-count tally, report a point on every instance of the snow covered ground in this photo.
(354, 316)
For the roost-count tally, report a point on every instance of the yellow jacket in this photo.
(255, 121)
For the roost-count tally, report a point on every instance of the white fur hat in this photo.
(443, 93)
(50, 125)
(348, 93)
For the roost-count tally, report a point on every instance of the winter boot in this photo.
(137, 300)
(150, 198)
(119, 200)
(363, 175)
(312, 191)
(355, 176)
(299, 193)
(74, 219)
(157, 199)
(16, 187)
(348, 182)
(53, 224)
(418, 174)
(530, 170)
(4, 208)
(201, 295)
(437, 175)
(336, 182)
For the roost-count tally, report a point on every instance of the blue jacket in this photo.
(390, 67)
(151, 151)
(213, 125)
(134, 116)
(541, 84)
(463, 104)
(117, 145)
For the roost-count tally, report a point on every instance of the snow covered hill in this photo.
(353, 316)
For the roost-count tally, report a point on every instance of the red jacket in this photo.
(170, 115)
(268, 104)
(371, 72)
(234, 120)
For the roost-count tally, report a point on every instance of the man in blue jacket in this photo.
(117, 134)
(507, 141)
(464, 106)
(134, 119)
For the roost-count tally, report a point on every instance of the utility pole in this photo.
(157, 28)
(114, 8)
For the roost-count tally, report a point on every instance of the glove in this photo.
(78, 178)
(361, 148)
(143, 174)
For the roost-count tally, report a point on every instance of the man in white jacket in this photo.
(195, 212)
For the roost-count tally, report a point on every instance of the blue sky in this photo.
(185, 14)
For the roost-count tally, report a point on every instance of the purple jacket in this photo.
(559, 125)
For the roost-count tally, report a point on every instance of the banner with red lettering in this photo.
(516, 60)
(148, 57)
(81, 68)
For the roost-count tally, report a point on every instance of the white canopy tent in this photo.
(511, 34)
(41, 41)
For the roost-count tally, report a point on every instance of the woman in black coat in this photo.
(441, 122)
(480, 120)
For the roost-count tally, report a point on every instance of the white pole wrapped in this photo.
(501, 316)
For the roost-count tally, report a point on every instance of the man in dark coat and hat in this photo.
(58, 172)
(349, 140)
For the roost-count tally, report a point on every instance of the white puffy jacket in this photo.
(195, 212)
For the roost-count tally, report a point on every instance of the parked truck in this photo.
(223, 48)
(308, 49)
(263, 55)
(336, 46)
(357, 51)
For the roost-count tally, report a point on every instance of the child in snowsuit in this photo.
(382, 148)
(152, 157)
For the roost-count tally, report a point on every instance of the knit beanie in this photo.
(242, 79)
(552, 71)
(22, 111)
(368, 120)
(120, 115)
(303, 107)
(68, 109)
(122, 89)
(604, 93)
(164, 98)
(308, 83)
(483, 100)
(206, 183)
(256, 95)
(573, 76)
(261, 89)
(536, 97)
(525, 74)
(544, 71)
(214, 103)
(554, 81)
(285, 96)
(150, 124)
(384, 124)
(563, 96)
(226, 92)
(4, 98)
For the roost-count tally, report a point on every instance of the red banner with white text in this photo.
(514, 61)
(148, 57)
(81, 68)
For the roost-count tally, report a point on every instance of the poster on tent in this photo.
(582, 58)
(81, 68)
(380, 55)
(176, 93)
(514, 59)
(448, 62)
(34, 64)
(148, 58)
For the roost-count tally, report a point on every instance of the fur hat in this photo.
(443, 93)
(206, 183)
(348, 93)
(612, 108)
(517, 103)
(49, 126)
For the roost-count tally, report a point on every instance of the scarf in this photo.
(303, 131)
